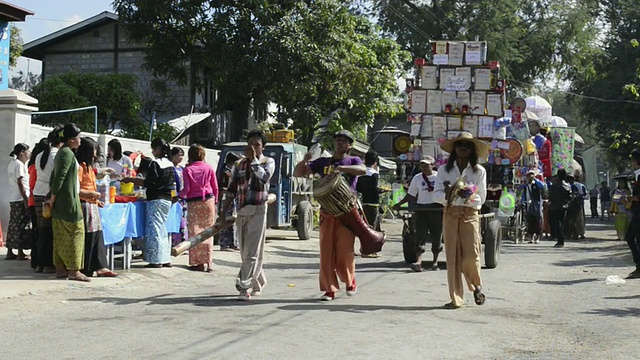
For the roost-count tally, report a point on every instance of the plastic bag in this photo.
(614, 280)
(507, 204)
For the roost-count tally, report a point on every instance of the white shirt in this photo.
(478, 178)
(17, 169)
(419, 188)
(42, 187)
(118, 166)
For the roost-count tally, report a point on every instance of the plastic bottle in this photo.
(112, 194)
(103, 189)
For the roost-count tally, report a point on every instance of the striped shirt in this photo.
(250, 184)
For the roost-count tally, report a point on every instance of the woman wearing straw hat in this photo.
(461, 186)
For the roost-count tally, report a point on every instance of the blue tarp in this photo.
(122, 220)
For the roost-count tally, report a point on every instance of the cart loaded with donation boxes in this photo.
(454, 90)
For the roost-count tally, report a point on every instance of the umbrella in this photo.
(540, 107)
(531, 116)
(578, 139)
(557, 121)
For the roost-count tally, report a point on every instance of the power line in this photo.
(429, 14)
(407, 21)
(576, 94)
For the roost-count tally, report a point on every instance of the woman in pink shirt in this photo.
(201, 192)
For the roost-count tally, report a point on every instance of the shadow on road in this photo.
(204, 300)
(615, 312)
(620, 259)
(566, 282)
(631, 297)
(356, 308)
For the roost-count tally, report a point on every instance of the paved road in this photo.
(543, 303)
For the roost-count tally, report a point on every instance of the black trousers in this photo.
(44, 248)
(372, 214)
(556, 218)
(428, 227)
(95, 253)
(34, 237)
(594, 207)
(632, 237)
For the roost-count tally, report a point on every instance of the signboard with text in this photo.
(5, 43)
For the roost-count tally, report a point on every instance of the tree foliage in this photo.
(309, 57)
(606, 83)
(114, 94)
(15, 45)
(534, 40)
(24, 82)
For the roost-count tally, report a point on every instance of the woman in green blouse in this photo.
(66, 212)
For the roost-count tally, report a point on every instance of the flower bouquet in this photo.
(467, 190)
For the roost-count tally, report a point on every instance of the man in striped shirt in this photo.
(249, 186)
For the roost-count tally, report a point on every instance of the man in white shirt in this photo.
(427, 220)
(461, 187)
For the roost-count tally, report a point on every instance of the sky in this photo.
(51, 16)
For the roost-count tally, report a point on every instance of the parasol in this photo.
(540, 107)
(557, 121)
(578, 139)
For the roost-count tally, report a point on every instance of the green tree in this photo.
(308, 57)
(15, 45)
(24, 82)
(114, 94)
(534, 40)
(605, 84)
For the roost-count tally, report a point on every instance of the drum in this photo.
(337, 199)
(334, 195)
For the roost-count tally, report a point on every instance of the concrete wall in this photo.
(15, 121)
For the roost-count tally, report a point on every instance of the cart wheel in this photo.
(492, 241)
(305, 220)
(408, 246)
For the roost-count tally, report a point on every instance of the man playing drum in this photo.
(461, 185)
(336, 240)
(428, 216)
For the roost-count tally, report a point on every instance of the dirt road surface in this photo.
(542, 303)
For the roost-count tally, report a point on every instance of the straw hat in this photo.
(482, 149)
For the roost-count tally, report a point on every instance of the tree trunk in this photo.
(239, 118)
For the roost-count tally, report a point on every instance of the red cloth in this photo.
(33, 176)
(544, 153)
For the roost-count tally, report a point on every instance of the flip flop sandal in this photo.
(451, 306)
(62, 276)
(416, 267)
(82, 278)
(434, 267)
(108, 274)
(479, 297)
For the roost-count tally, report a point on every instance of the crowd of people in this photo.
(55, 207)
(55, 203)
